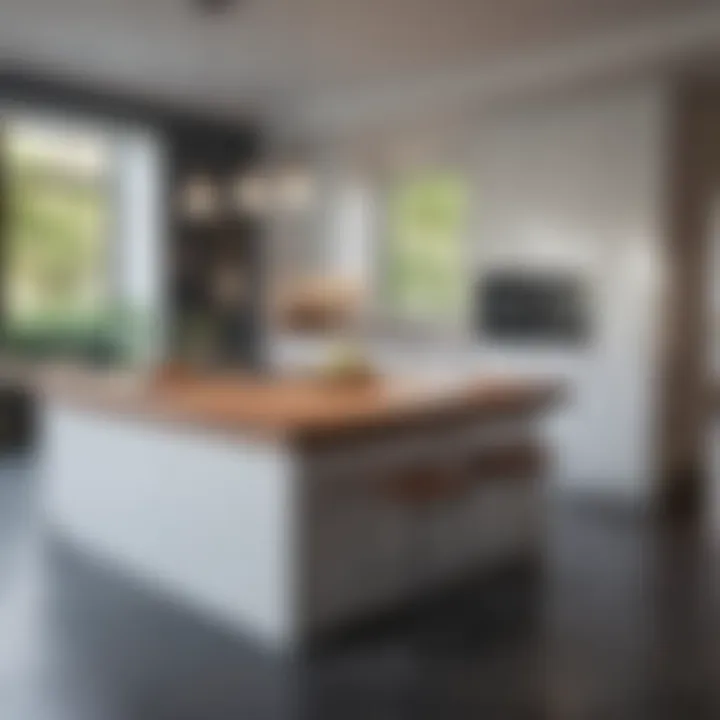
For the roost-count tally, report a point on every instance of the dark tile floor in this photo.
(624, 622)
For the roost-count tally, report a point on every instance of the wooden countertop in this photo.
(300, 410)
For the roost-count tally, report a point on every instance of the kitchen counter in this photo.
(303, 411)
(285, 508)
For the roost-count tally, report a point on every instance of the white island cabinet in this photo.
(284, 511)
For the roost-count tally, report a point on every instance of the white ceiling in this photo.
(285, 56)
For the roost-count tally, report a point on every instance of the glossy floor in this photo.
(623, 622)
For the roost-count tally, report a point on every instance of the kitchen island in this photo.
(286, 507)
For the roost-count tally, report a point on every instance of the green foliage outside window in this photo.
(56, 241)
(55, 273)
(424, 261)
(57, 278)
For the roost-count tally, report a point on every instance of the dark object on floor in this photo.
(17, 420)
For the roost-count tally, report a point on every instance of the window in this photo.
(424, 275)
(57, 185)
(83, 229)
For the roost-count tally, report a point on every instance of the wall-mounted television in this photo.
(538, 306)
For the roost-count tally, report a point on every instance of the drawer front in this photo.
(370, 540)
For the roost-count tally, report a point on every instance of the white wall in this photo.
(571, 181)
(580, 185)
